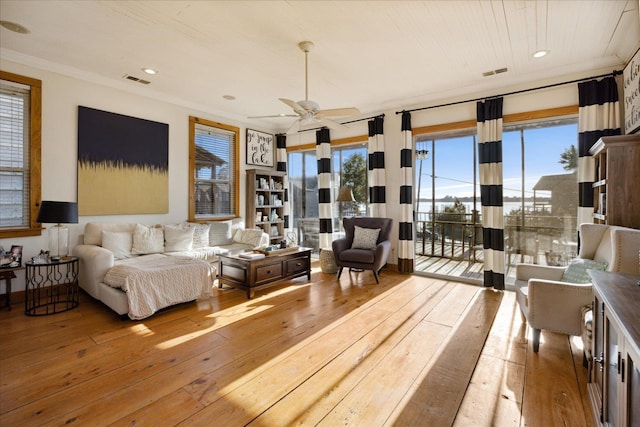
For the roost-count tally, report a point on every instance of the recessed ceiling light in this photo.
(16, 28)
(150, 71)
(540, 53)
(229, 97)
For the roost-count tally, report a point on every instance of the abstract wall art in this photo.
(123, 164)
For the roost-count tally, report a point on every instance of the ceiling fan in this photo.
(307, 111)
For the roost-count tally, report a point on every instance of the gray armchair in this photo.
(364, 259)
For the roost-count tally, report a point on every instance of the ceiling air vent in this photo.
(136, 79)
(492, 72)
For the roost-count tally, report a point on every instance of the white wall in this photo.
(61, 96)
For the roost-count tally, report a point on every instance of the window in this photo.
(213, 170)
(20, 107)
(539, 193)
(349, 168)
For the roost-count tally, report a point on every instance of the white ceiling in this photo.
(374, 55)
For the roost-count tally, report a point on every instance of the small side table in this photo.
(7, 274)
(51, 287)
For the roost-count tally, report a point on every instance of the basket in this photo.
(328, 262)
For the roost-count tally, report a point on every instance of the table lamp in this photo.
(345, 194)
(58, 213)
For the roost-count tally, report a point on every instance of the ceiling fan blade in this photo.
(351, 111)
(273, 116)
(294, 105)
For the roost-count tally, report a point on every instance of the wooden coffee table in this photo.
(255, 274)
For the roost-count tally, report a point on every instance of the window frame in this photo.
(35, 160)
(192, 158)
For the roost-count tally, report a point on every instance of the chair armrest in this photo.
(339, 245)
(528, 271)
(382, 253)
(557, 306)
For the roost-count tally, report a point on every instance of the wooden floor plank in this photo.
(326, 351)
(550, 383)
(315, 397)
(435, 397)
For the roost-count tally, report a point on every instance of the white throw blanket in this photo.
(152, 282)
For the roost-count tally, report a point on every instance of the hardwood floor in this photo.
(410, 351)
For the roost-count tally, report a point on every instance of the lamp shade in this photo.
(345, 194)
(58, 212)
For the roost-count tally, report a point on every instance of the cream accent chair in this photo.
(550, 304)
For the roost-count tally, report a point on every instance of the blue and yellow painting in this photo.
(123, 164)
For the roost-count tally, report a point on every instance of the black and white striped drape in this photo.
(323, 154)
(376, 178)
(406, 249)
(489, 115)
(598, 116)
(281, 159)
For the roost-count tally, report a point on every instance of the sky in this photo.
(454, 161)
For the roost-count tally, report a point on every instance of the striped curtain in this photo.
(376, 178)
(490, 160)
(598, 116)
(406, 249)
(323, 154)
(281, 159)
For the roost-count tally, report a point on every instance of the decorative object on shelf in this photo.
(259, 148)
(60, 213)
(11, 259)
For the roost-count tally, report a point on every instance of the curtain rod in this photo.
(613, 73)
(344, 123)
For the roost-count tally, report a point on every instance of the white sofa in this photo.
(547, 302)
(175, 248)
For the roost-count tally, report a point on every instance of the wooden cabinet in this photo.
(614, 383)
(265, 202)
(616, 197)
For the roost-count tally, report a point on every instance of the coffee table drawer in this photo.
(297, 265)
(268, 272)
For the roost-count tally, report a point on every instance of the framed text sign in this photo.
(631, 77)
(259, 148)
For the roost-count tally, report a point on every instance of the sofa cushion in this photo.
(118, 242)
(93, 231)
(576, 271)
(200, 235)
(208, 254)
(147, 240)
(220, 233)
(178, 238)
(364, 256)
(249, 237)
(365, 238)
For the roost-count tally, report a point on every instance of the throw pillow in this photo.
(576, 271)
(147, 240)
(178, 238)
(365, 238)
(220, 233)
(200, 235)
(248, 237)
(118, 242)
